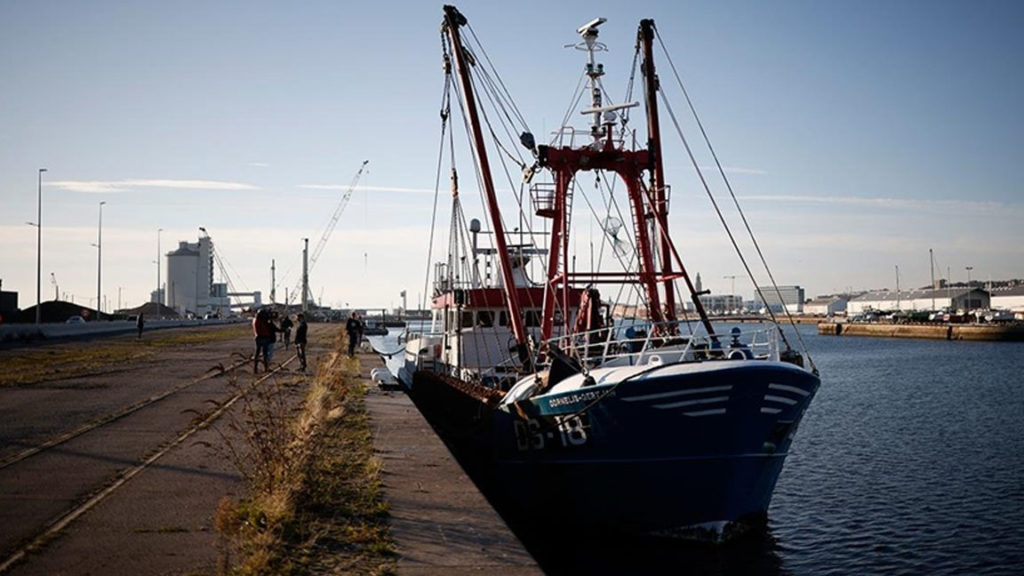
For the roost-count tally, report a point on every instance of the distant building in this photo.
(190, 287)
(721, 303)
(790, 296)
(1011, 298)
(8, 306)
(947, 298)
(827, 306)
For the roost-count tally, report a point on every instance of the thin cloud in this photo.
(891, 203)
(115, 186)
(368, 188)
(259, 164)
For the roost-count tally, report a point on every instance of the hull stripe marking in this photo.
(785, 388)
(782, 399)
(715, 412)
(660, 395)
(693, 402)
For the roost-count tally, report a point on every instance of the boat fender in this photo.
(792, 356)
(588, 380)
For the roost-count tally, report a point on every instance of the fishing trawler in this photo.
(656, 423)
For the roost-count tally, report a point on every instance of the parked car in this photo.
(75, 320)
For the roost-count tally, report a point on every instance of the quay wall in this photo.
(30, 332)
(997, 332)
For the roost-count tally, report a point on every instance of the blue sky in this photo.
(857, 134)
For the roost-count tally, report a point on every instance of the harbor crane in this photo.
(223, 268)
(307, 294)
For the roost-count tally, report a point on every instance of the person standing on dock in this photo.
(286, 330)
(354, 329)
(300, 341)
(264, 331)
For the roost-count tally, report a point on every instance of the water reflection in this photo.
(560, 552)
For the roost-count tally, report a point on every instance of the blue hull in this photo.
(674, 450)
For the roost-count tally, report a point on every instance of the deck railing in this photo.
(646, 344)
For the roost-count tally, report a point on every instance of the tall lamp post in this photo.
(159, 296)
(99, 265)
(732, 291)
(39, 247)
(969, 268)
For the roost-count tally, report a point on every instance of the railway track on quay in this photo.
(76, 446)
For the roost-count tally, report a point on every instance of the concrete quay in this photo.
(440, 522)
(138, 494)
(978, 332)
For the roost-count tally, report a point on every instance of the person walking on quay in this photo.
(264, 330)
(286, 330)
(139, 323)
(354, 329)
(300, 341)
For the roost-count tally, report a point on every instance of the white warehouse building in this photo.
(1011, 298)
(943, 298)
(827, 306)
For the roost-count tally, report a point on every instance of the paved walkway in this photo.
(440, 522)
(161, 521)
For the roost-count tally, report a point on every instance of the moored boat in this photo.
(655, 425)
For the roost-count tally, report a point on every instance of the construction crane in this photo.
(305, 291)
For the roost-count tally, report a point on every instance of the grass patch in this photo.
(314, 500)
(29, 365)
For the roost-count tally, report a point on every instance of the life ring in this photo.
(740, 354)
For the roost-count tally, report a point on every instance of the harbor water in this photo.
(910, 460)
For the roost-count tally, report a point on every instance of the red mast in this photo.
(453, 19)
(602, 154)
(605, 154)
(658, 171)
(660, 208)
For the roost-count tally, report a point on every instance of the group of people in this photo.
(266, 327)
(265, 331)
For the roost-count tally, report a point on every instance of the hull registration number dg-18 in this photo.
(568, 431)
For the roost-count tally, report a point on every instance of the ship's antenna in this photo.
(594, 71)
(603, 117)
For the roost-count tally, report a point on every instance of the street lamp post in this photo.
(99, 265)
(159, 296)
(732, 291)
(39, 247)
(969, 268)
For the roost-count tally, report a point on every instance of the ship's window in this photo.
(467, 318)
(503, 318)
(485, 318)
(532, 317)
